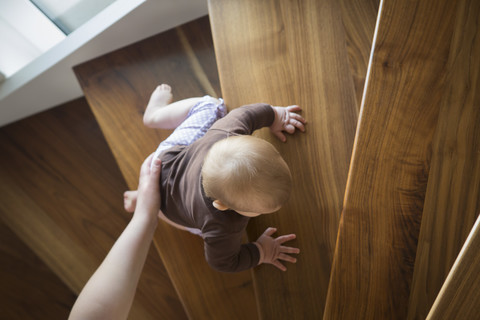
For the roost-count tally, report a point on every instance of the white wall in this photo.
(54, 82)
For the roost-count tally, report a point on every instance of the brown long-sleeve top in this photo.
(184, 201)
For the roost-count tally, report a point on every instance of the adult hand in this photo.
(287, 120)
(148, 201)
(110, 291)
(272, 250)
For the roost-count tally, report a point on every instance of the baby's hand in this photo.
(272, 251)
(287, 120)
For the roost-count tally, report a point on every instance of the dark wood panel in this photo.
(29, 288)
(118, 87)
(386, 190)
(284, 53)
(459, 298)
(453, 193)
(61, 193)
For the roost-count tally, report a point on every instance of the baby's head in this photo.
(246, 174)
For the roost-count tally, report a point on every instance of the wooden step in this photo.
(415, 164)
(295, 52)
(452, 200)
(118, 87)
(61, 194)
(29, 287)
(459, 298)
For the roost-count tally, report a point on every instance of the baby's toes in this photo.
(165, 87)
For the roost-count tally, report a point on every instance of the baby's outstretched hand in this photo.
(287, 120)
(272, 250)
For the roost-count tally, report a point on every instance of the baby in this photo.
(216, 176)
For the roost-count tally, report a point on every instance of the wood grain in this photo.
(29, 288)
(359, 18)
(118, 87)
(61, 193)
(387, 184)
(458, 297)
(453, 193)
(284, 53)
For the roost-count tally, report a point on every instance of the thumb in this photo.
(280, 136)
(156, 168)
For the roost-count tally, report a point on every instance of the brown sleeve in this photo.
(246, 119)
(227, 254)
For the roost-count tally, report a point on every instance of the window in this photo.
(30, 28)
(68, 15)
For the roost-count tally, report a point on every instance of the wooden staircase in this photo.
(386, 177)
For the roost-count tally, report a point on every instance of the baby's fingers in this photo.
(297, 124)
(297, 117)
(269, 231)
(289, 250)
(298, 121)
(285, 238)
(290, 128)
(286, 257)
(280, 136)
(279, 265)
(294, 108)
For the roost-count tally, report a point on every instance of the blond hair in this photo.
(245, 172)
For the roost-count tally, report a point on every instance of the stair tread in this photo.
(399, 171)
(284, 53)
(61, 194)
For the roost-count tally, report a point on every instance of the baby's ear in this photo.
(219, 205)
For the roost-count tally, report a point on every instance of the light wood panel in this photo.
(458, 297)
(61, 193)
(386, 190)
(118, 87)
(284, 53)
(453, 194)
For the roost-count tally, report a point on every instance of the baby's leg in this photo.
(130, 200)
(162, 114)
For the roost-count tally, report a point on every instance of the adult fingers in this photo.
(156, 168)
(145, 168)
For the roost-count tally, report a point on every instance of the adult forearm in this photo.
(110, 291)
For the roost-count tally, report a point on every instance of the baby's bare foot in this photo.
(130, 200)
(161, 96)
